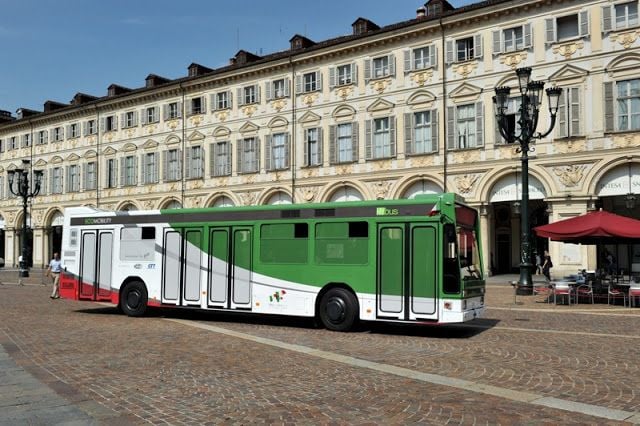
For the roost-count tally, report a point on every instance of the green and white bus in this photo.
(391, 260)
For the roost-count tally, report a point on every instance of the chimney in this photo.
(50, 106)
(421, 13)
(5, 117)
(153, 80)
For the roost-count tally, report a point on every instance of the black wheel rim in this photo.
(133, 299)
(335, 310)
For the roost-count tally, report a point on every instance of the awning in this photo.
(593, 228)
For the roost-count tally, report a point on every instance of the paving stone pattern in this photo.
(84, 363)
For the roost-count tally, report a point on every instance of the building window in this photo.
(566, 27)
(221, 159)
(58, 134)
(464, 49)
(626, 15)
(129, 170)
(73, 178)
(56, 180)
(248, 155)
(222, 100)
(422, 57)
(26, 140)
(622, 105)
(250, 95)
(195, 162)
(43, 137)
(13, 143)
(73, 131)
(129, 119)
(465, 126)
(513, 39)
(279, 88)
(313, 147)
(512, 115)
(343, 143)
(197, 106)
(172, 164)
(568, 113)
(421, 132)
(310, 82)
(150, 167)
(90, 176)
(110, 123)
(90, 128)
(345, 75)
(111, 173)
(277, 151)
(150, 115)
(380, 138)
(172, 111)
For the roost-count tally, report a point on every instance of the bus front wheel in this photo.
(338, 309)
(133, 299)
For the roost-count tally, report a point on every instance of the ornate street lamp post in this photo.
(22, 190)
(527, 120)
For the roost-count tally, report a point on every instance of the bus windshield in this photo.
(468, 253)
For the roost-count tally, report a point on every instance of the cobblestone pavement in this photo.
(186, 367)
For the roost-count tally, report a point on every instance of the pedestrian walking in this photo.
(538, 264)
(547, 265)
(53, 271)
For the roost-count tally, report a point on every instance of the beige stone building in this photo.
(379, 113)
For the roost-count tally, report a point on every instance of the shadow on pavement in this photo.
(438, 331)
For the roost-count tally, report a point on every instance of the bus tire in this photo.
(133, 299)
(338, 309)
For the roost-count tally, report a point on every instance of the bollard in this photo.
(514, 284)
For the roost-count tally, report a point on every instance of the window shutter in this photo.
(608, 107)
(497, 42)
(575, 111)
(479, 124)
(298, 84)
(408, 133)
(257, 89)
(392, 135)
(320, 145)
(165, 166)
(434, 130)
(367, 140)
(367, 70)
(229, 155)
(268, 152)
(449, 53)
(143, 167)
(355, 155)
(287, 87)
(190, 107)
(407, 61)
(85, 129)
(268, 86)
(123, 121)
(332, 77)
(305, 148)
(451, 127)
(526, 30)
(188, 165)
(85, 180)
(68, 133)
(240, 97)
(230, 99)
(498, 139)
(52, 181)
(583, 18)
(179, 109)
(332, 144)
(286, 150)
(165, 112)
(319, 80)
(213, 154)
(143, 116)
(122, 172)
(156, 166)
(477, 46)
(180, 164)
(392, 65)
(550, 30)
(212, 102)
(46, 136)
(203, 106)
(433, 61)
(354, 73)
(256, 165)
(239, 149)
(607, 24)
(562, 115)
(43, 183)
(68, 180)
(51, 136)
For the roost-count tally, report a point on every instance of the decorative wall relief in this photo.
(380, 85)
(422, 77)
(513, 59)
(468, 156)
(382, 165)
(627, 141)
(421, 161)
(173, 124)
(344, 92)
(465, 183)
(627, 38)
(249, 110)
(570, 176)
(309, 172)
(196, 120)
(151, 128)
(248, 198)
(568, 49)
(309, 99)
(308, 194)
(570, 146)
(278, 104)
(466, 68)
(222, 115)
(381, 189)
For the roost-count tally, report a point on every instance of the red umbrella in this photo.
(592, 228)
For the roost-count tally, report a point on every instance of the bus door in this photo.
(407, 271)
(96, 260)
(182, 266)
(230, 264)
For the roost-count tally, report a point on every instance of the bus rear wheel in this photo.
(338, 309)
(133, 299)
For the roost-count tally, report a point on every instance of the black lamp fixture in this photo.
(21, 189)
(527, 118)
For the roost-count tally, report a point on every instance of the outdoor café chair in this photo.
(543, 289)
(634, 291)
(584, 290)
(614, 293)
(562, 289)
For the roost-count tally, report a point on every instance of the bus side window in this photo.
(451, 270)
(137, 243)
